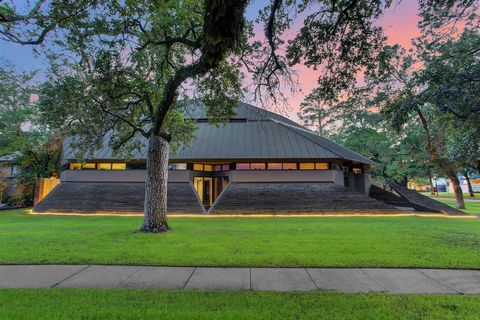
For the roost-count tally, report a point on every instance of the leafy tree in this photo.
(131, 61)
(125, 80)
(36, 146)
(125, 65)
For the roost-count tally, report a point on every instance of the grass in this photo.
(150, 304)
(450, 195)
(256, 242)
(470, 207)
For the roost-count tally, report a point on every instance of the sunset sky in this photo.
(400, 23)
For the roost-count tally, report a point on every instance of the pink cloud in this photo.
(400, 25)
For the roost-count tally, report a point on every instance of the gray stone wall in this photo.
(234, 176)
(119, 176)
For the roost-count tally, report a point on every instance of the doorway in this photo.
(203, 186)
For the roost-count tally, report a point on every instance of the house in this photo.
(258, 162)
(8, 171)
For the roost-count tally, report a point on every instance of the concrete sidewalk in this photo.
(266, 279)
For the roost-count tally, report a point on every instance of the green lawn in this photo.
(450, 195)
(470, 207)
(149, 304)
(287, 242)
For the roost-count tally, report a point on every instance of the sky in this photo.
(399, 22)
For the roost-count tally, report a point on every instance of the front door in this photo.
(203, 186)
(207, 192)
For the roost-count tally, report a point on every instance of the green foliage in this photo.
(339, 38)
(3, 188)
(35, 146)
(119, 84)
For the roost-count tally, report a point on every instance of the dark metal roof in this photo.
(260, 134)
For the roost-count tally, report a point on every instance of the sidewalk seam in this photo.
(436, 280)
(311, 278)
(70, 276)
(191, 274)
(250, 269)
(374, 280)
(128, 277)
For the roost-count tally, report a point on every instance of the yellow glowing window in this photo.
(289, 166)
(357, 170)
(307, 166)
(119, 166)
(257, 166)
(321, 166)
(243, 166)
(75, 166)
(198, 167)
(274, 166)
(88, 166)
(104, 166)
(208, 167)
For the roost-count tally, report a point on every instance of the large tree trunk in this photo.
(469, 185)
(444, 165)
(458, 192)
(155, 207)
(432, 189)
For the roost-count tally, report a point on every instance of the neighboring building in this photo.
(259, 162)
(8, 171)
(444, 185)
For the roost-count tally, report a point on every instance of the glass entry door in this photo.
(204, 188)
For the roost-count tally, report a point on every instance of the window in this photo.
(243, 166)
(274, 166)
(217, 168)
(136, 166)
(225, 167)
(289, 166)
(208, 167)
(180, 166)
(257, 166)
(75, 166)
(119, 166)
(104, 166)
(307, 166)
(321, 166)
(198, 167)
(357, 170)
(88, 166)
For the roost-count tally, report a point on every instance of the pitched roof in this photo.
(253, 133)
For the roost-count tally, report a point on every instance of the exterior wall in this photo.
(351, 181)
(187, 175)
(283, 176)
(359, 182)
(338, 178)
(43, 187)
(367, 177)
(119, 176)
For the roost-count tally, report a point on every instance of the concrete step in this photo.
(295, 198)
(111, 197)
